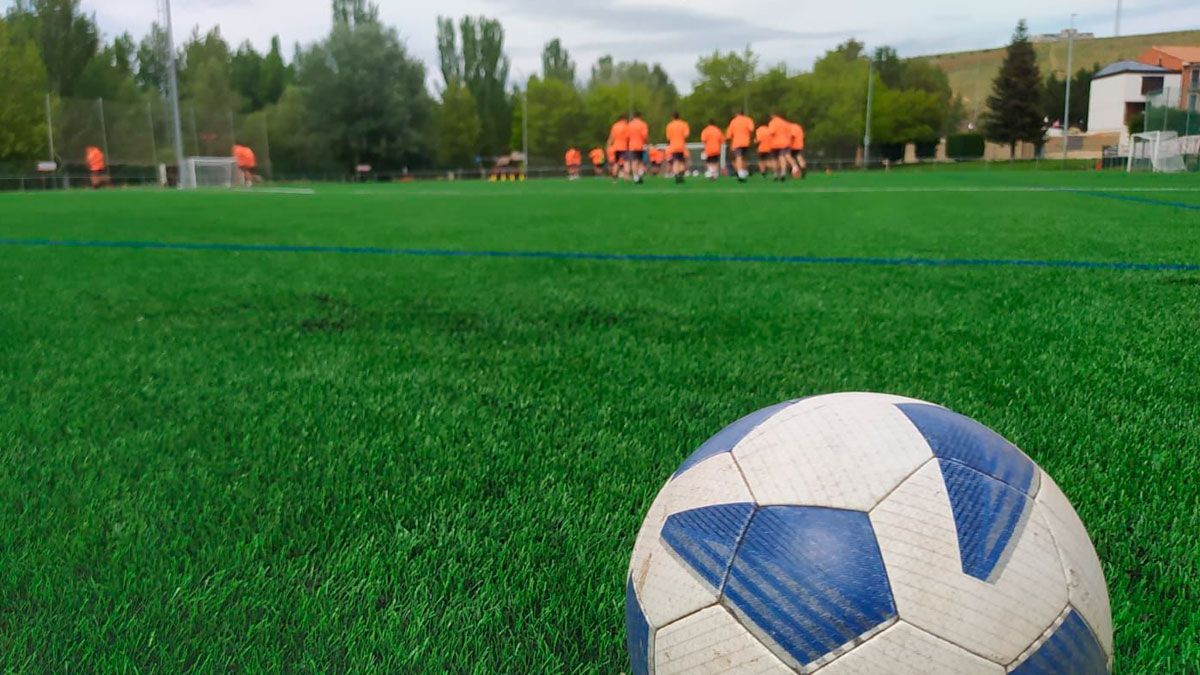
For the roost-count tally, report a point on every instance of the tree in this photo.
(109, 75)
(616, 88)
(245, 75)
(723, 87)
(558, 119)
(22, 119)
(476, 58)
(458, 127)
(557, 63)
(364, 90)
(65, 38)
(152, 60)
(355, 12)
(1015, 106)
(1054, 92)
(274, 75)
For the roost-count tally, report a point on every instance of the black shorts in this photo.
(783, 153)
(740, 152)
(635, 155)
(678, 157)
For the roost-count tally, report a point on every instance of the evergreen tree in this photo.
(245, 74)
(274, 75)
(1015, 106)
(152, 60)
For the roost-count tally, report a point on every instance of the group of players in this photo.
(630, 156)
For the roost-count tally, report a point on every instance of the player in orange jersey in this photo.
(781, 141)
(657, 157)
(618, 139)
(766, 151)
(97, 167)
(573, 159)
(677, 135)
(800, 167)
(639, 136)
(739, 133)
(713, 140)
(597, 157)
(247, 164)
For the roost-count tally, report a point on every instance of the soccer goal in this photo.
(1157, 151)
(210, 172)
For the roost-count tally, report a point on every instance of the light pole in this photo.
(525, 125)
(173, 92)
(1117, 26)
(870, 97)
(1066, 124)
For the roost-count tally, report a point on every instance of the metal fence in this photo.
(137, 135)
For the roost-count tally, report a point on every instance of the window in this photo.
(1196, 76)
(1152, 85)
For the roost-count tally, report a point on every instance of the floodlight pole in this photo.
(870, 97)
(1066, 123)
(1117, 26)
(173, 92)
(525, 126)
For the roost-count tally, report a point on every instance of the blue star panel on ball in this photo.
(864, 533)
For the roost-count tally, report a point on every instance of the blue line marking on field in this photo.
(1137, 200)
(603, 257)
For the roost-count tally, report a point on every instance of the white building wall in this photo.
(1106, 105)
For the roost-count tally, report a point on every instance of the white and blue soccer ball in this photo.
(864, 533)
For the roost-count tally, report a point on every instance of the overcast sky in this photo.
(672, 32)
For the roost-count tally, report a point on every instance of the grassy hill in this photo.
(971, 73)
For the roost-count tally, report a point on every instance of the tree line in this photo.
(358, 96)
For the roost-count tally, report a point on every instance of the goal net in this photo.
(210, 172)
(1159, 151)
(695, 158)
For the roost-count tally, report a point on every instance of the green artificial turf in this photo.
(313, 461)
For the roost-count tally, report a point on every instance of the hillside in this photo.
(971, 73)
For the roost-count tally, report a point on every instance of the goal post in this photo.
(210, 172)
(1157, 151)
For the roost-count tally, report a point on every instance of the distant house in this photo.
(1063, 36)
(1119, 93)
(1182, 60)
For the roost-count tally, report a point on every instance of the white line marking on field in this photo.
(801, 191)
(275, 191)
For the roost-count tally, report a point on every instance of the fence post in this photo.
(195, 138)
(153, 141)
(50, 127)
(267, 145)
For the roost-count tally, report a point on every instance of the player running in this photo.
(677, 135)
(741, 129)
(97, 167)
(618, 140)
(800, 166)
(766, 151)
(781, 142)
(713, 141)
(638, 134)
(574, 160)
(597, 157)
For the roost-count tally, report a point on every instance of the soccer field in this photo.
(416, 427)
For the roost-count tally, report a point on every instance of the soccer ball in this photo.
(864, 533)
